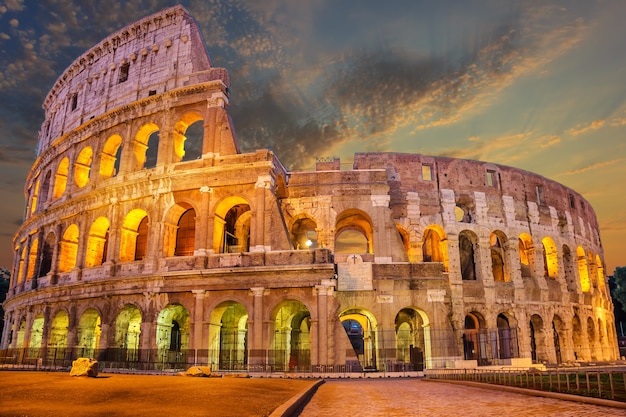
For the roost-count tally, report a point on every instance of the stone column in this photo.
(197, 337)
(204, 240)
(256, 346)
(258, 241)
(322, 291)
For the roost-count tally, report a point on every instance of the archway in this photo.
(304, 234)
(526, 253)
(97, 242)
(583, 270)
(127, 333)
(467, 244)
(497, 242)
(228, 337)
(550, 258)
(577, 338)
(537, 339)
(475, 343)
(89, 331)
(361, 327)
(60, 178)
(558, 332)
(110, 156)
(172, 334)
(292, 341)
(354, 234)
(188, 137)
(507, 338)
(69, 249)
(57, 341)
(231, 233)
(36, 336)
(134, 236)
(412, 338)
(82, 167)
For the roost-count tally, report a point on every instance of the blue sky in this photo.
(537, 85)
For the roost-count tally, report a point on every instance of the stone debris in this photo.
(84, 367)
(201, 371)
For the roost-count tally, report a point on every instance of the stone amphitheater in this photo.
(151, 241)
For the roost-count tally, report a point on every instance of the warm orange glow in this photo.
(96, 242)
(89, 332)
(141, 143)
(354, 233)
(583, 271)
(227, 218)
(34, 197)
(82, 167)
(58, 332)
(32, 258)
(551, 257)
(20, 269)
(109, 156)
(180, 130)
(600, 268)
(69, 249)
(130, 229)
(60, 179)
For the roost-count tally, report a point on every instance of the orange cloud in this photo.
(595, 166)
(581, 128)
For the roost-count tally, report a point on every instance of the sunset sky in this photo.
(539, 85)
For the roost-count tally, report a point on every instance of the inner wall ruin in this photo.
(150, 241)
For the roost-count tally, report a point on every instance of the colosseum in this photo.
(151, 241)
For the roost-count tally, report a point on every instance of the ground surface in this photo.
(417, 397)
(36, 394)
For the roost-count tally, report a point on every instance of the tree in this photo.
(619, 294)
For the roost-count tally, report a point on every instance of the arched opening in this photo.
(525, 245)
(354, 233)
(146, 146)
(36, 336)
(434, 246)
(569, 269)
(558, 330)
(497, 242)
(89, 332)
(32, 258)
(82, 166)
(69, 249)
(232, 226)
(602, 341)
(20, 268)
(134, 236)
(34, 197)
(583, 270)
(45, 189)
(507, 338)
(550, 258)
(412, 339)
(600, 269)
(228, 337)
(360, 326)
(189, 137)
(128, 333)
(47, 254)
(406, 243)
(172, 335)
(60, 179)
(592, 340)
(57, 341)
(21, 331)
(110, 157)
(467, 242)
(537, 340)
(291, 347)
(577, 338)
(186, 233)
(304, 234)
(97, 242)
(474, 340)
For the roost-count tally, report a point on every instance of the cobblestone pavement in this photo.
(413, 397)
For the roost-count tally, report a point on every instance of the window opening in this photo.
(427, 172)
(123, 73)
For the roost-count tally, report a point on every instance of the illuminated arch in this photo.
(34, 197)
(60, 178)
(89, 332)
(292, 342)
(82, 166)
(526, 254)
(412, 329)
(146, 139)
(468, 243)
(134, 236)
(128, 333)
(36, 336)
(69, 249)
(569, 269)
(47, 254)
(473, 346)
(232, 222)
(57, 340)
(583, 270)
(600, 269)
(110, 157)
(32, 258)
(354, 233)
(550, 258)
(188, 137)
(172, 334)
(435, 245)
(361, 327)
(97, 242)
(577, 338)
(44, 192)
(20, 268)
(228, 336)
(538, 340)
(304, 233)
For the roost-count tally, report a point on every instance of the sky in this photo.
(537, 85)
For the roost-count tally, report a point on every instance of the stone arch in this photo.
(32, 259)
(592, 340)
(406, 243)
(82, 167)
(44, 192)
(559, 337)
(89, 333)
(47, 254)
(354, 233)
(499, 268)
(538, 343)
(602, 339)
(507, 338)
(145, 146)
(20, 267)
(228, 336)
(577, 339)
(304, 233)
(412, 329)
(435, 245)
(231, 231)
(21, 332)
(468, 245)
(68, 249)
(172, 334)
(34, 197)
(550, 258)
(128, 333)
(600, 270)
(97, 242)
(361, 327)
(583, 270)
(291, 346)
(36, 336)
(475, 345)
(526, 254)
(134, 239)
(110, 156)
(60, 178)
(57, 340)
(188, 137)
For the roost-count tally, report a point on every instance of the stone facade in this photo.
(149, 238)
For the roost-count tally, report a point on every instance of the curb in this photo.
(537, 393)
(294, 403)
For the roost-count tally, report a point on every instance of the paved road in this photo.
(415, 397)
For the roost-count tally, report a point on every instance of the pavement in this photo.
(421, 397)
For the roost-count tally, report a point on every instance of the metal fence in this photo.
(607, 384)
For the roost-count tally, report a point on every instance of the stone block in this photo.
(84, 367)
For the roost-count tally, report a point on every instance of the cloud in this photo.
(549, 141)
(14, 23)
(14, 5)
(620, 121)
(584, 128)
(596, 165)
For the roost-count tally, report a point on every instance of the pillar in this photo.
(256, 345)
